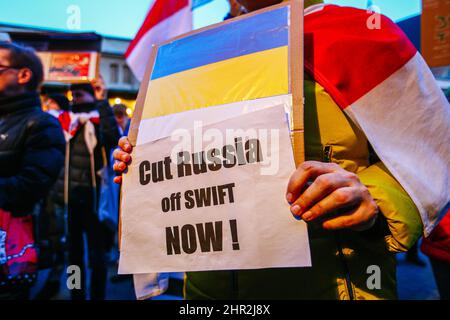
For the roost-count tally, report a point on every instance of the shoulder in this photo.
(44, 128)
(343, 45)
(39, 119)
(348, 30)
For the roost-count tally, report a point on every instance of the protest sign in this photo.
(226, 75)
(436, 32)
(70, 66)
(213, 198)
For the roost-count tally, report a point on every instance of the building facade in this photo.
(120, 81)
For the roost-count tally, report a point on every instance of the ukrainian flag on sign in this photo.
(236, 61)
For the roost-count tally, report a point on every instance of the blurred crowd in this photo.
(58, 202)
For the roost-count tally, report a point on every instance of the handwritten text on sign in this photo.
(213, 200)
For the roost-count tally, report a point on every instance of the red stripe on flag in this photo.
(95, 120)
(65, 120)
(346, 57)
(160, 11)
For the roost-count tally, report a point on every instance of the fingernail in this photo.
(307, 215)
(127, 146)
(296, 210)
(289, 197)
(125, 157)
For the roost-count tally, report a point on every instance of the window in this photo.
(127, 76)
(114, 73)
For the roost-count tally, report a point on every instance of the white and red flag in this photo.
(380, 80)
(166, 19)
(72, 122)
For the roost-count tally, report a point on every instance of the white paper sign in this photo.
(226, 211)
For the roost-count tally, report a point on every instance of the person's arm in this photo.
(403, 218)
(109, 130)
(357, 199)
(42, 161)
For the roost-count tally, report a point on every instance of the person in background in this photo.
(120, 113)
(31, 146)
(56, 101)
(52, 222)
(101, 96)
(90, 146)
(437, 248)
(123, 121)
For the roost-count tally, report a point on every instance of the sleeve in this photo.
(109, 130)
(42, 161)
(403, 218)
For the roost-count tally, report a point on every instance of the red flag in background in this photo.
(166, 19)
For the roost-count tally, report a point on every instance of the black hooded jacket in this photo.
(80, 173)
(31, 153)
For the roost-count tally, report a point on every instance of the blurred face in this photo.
(13, 80)
(8, 76)
(121, 119)
(252, 5)
(50, 104)
(81, 96)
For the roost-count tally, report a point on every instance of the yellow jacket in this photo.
(342, 261)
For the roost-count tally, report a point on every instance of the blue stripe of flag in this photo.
(265, 31)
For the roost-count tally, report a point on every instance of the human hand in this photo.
(122, 157)
(99, 88)
(332, 189)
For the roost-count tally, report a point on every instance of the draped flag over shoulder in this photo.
(72, 122)
(383, 84)
(166, 19)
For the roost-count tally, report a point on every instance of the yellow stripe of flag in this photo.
(248, 77)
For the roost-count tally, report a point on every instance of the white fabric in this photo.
(148, 285)
(173, 26)
(89, 136)
(314, 8)
(76, 121)
(162, 127)
(407, 120)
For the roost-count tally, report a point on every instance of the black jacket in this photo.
(80, 173)
(31, 153)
